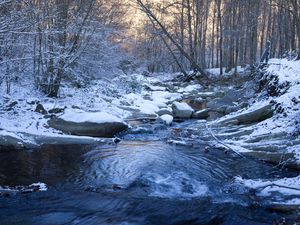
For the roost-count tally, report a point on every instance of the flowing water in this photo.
(133, 182)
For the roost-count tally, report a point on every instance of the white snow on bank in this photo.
(286, 186)
(296, 151)
(285, 70)
(215, 72)
(80, 116)
(190, 88)
(294, 201)
(41, 186)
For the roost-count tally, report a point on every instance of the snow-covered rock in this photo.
(182, 110)
(166, 119)
(93, 124)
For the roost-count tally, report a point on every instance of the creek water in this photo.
(133, 182)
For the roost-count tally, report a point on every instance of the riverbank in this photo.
(234, 124)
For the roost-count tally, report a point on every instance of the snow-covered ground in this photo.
(286, 118)
(101, 101)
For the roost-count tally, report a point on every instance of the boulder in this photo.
(182, 110)
(92, 129)
(202, 114)
(254, 116)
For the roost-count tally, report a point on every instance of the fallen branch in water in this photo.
(220, 142)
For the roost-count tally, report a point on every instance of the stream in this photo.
(140, 180)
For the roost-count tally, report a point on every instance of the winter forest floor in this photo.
(252, 114)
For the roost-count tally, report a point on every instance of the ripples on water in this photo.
(133, 182)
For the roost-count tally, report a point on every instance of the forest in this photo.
(149, 112)
(48, 40)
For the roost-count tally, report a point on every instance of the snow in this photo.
(80, 116)
(42, 186)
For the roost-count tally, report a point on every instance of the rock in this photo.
(166, 119)
(106, 129)
(75, 107)
(15, 141)
(40, 109)
(182, 110)
(13, 104)
(202, 114)
(218, 105)
(31, 101)
(11, 141)
(228, 103)
(116, 140)
(256, 115)
(140, 118)
(56, 110)
(164, 111)
(197, 104)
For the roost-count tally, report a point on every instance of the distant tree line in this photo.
(217, 33)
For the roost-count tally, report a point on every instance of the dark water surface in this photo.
(134, 182)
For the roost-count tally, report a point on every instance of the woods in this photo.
(50, 41)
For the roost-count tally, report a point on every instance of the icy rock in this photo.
(182, 110)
